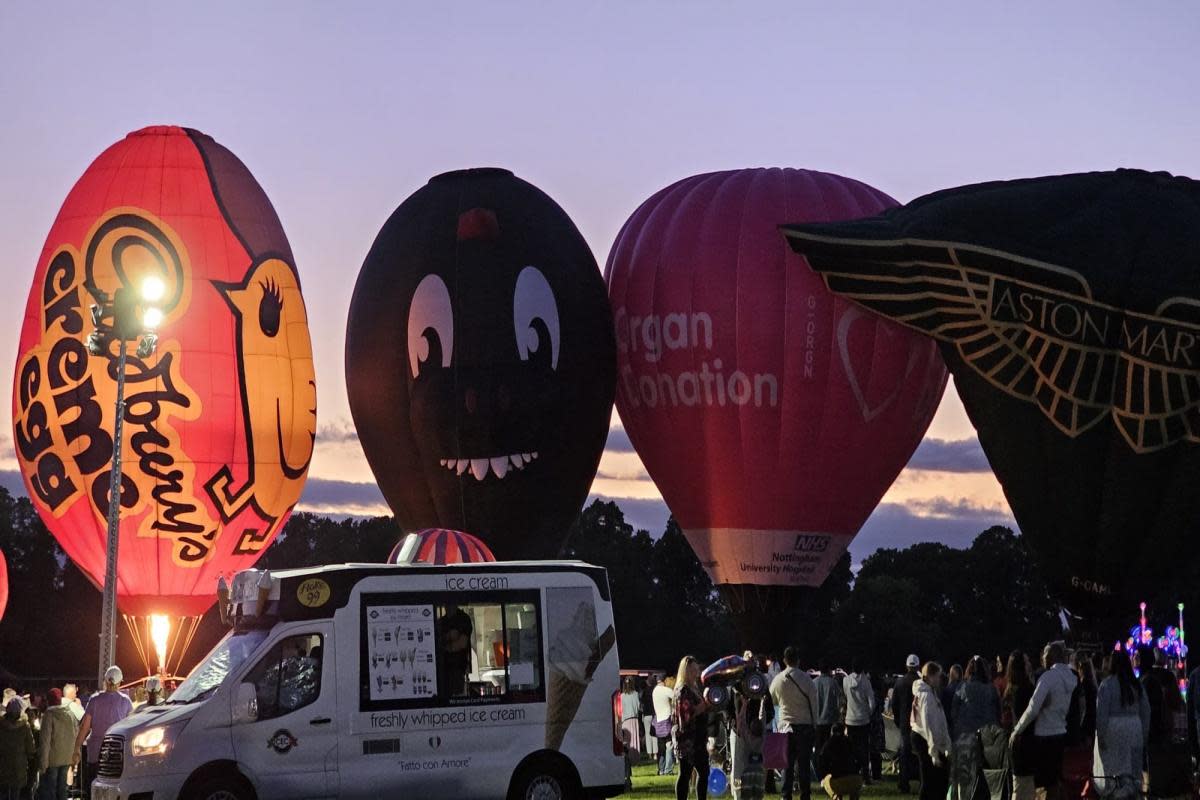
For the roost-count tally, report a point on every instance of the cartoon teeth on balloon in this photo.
(480, 362)
(279, 399)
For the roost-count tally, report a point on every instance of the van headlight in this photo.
(154, 741)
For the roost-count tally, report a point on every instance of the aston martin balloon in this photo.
(771, 415)
(219, 418)
(480, 364)
(1068, 309)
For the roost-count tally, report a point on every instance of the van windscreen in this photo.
(229, 654)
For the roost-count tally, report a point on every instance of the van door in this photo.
(290, 750)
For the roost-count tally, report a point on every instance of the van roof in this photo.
(368, 568)
(340, 580)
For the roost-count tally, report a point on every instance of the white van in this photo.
(493, 680)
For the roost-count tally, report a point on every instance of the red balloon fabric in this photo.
(3, 585)
(771, 414)
(444, 546)
(220, 418)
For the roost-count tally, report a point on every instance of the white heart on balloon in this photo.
(852, 315)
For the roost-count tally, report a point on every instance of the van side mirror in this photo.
(245, 704)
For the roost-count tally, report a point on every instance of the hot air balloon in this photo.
(480, 363)
(771, 415)
(3, 585)
(1067, 310)
(219, 420)
(440, 546)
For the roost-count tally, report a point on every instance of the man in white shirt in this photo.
(860, 704)
(1047, 715)
(795, 697)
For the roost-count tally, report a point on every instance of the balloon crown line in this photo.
(1173, 642)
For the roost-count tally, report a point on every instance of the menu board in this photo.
(400, 652)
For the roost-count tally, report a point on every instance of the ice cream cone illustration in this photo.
(574, 655)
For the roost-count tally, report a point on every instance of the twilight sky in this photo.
(342, 110)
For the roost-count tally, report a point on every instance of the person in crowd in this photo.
(104, 709)
(1018, 691)
(1167, 755)
(1122, 728)
(55, 746)
(747, 776)
(70, 699)
(975, 701)
(154, 691)
(860, 702)
(975, 704)
(902, 700)
(795, 695)
(690, 730)
(841, 774)
(17, 750)
(773, 668)
(662, 697)
(952, 680)
(631, 726)
(998, 675)
(1046, 716)
(931, 733)
(877, 736)
(1081, 727)
(829, 703)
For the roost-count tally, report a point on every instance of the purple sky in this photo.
(341, 111)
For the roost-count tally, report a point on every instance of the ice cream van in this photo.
(493, 680)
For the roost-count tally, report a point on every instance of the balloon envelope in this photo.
(442, 546)
(1068, 309)
(771, 414)
(479, 362)
(3, 585)
(219, 420)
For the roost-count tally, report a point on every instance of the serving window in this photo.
(449, 649)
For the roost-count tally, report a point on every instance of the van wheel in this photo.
(544, 780)
(220, 789)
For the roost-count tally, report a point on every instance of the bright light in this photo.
(152, 318)
(150, 742)
(160, 631)
(153, 289)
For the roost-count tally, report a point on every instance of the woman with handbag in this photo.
(663, 698)
(690, 730)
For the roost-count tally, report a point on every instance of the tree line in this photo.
(930, 599)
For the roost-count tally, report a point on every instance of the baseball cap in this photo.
(912, 661)
(114, 675)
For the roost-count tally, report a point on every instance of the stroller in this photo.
(993, 768)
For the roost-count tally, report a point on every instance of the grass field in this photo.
(647, 785)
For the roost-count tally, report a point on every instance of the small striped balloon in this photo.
(444, 546)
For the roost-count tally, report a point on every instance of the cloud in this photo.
(618, 441)
(347, 496)
(635, 474)
(11, 479)
(339, 431)
(943, 455)
(951, 522)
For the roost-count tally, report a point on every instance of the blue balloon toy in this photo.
(717, 781)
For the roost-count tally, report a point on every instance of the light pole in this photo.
(133, 317)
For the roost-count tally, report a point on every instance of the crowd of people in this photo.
(1068, 725)
(50, 741)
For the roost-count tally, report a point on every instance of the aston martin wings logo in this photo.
(1033, 330)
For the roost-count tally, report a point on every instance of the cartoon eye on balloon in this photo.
(535, 318)
(430, 325)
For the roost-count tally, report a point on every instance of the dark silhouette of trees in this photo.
(928, 598)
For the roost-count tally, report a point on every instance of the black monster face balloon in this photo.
(480, 362)
(1068, 309)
